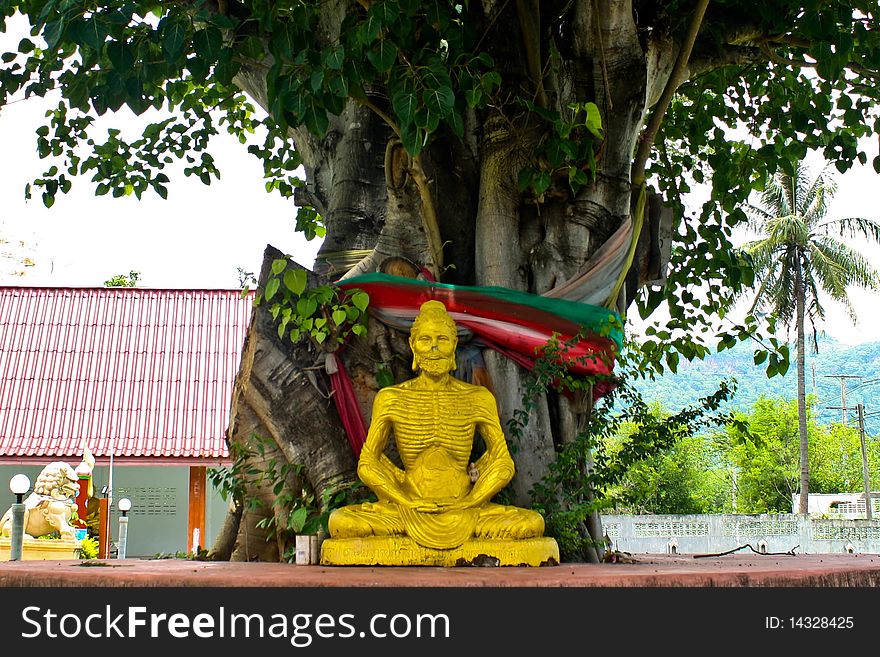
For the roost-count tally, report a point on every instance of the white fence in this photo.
(766, 533)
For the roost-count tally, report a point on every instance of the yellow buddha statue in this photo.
(436, 511)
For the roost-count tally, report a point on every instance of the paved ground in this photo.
(648, 570)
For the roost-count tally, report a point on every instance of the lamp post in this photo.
(124, 507)
(19, 485)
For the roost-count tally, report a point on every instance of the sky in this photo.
(201, 235)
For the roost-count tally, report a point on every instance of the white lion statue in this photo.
(49, 508)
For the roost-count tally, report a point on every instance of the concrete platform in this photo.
(819, 570)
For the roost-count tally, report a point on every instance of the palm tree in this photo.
(800, 255)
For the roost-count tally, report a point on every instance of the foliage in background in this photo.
(622, 431)
(688, 476)
(768, 468)
(750, 466)
(229, 481)
(123, 280)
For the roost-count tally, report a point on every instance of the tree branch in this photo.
(779, 59)
(675, 79)
(429, 217)
(704, 62)
(529, 14)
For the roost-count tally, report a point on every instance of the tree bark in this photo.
(224, 544)
(283, 402)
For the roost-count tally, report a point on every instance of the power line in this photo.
(843, 378)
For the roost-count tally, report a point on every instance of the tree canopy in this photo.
(785, 76)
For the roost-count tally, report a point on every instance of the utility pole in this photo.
(843, 378)
(868, 510)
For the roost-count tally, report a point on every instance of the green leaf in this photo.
(541, 183)
(333, 57)
(383, 55)
(576, 179)
(490, 81)
(198, 67)
(173, 32)
(405, 104)
(593, 122)
(284, 40)
(384, 376)
(279, 266)
(272, 288)
(52, 33)
(295, 281)
(339, 317)
(386, 12)
(338, 85)
(208, 43)
(297, 519)
(305, 307)
(316, 119)
(456, 123)
(361, 300)
(120, 55)
(252, 48)
(440, 101)
(369, 30)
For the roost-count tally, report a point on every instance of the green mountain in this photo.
(824, 369)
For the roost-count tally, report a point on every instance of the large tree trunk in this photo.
(374, 197)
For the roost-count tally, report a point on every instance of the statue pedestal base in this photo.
(53, 549)
(403, 551)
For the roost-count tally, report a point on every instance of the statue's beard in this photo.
(436, 366)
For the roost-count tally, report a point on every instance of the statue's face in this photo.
(433, 347)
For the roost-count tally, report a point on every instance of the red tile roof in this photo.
(145, 373)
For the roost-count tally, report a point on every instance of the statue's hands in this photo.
(427, 507)
(441, 506)
(454, 504)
